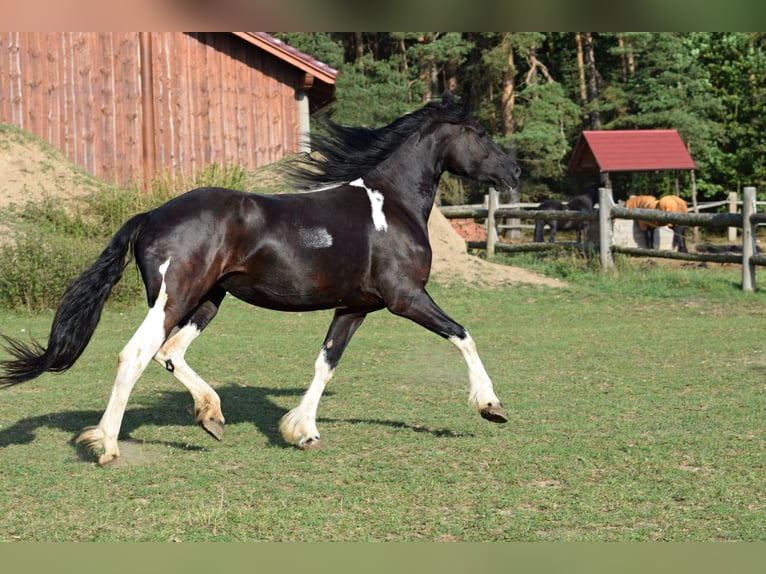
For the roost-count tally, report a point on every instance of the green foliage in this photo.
(369, 81)
(540, 139)
(36, 268)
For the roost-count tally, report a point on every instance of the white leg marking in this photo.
(481, 393)
(376, 203)
(206, 401)
(299, 425)
(132, 361)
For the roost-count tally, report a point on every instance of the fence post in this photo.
(732, 209)
(605, 227)
(491, 227)
(748, 239)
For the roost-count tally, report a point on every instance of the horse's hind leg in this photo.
(132, 362)
(207, 404)
(298, 426)
(419, 307)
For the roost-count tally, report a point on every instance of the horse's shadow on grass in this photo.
(240, 404)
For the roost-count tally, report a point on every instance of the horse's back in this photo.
(641, 202)
(580, 203)
(672, 203)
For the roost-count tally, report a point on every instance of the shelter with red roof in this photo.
(607, 151)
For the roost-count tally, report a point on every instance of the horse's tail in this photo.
(77, 316)
(539, 231)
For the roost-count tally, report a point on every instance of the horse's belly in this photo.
(314, 292)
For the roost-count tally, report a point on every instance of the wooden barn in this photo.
(125, 106)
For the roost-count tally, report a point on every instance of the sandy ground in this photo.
(30, 169)
(451, 261)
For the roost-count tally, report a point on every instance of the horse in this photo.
(675, 204)
(584, 202)
(666, 203)
(355, 240)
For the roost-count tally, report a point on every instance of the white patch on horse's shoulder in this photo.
(376, 203)
(314, 237)
(164, 267)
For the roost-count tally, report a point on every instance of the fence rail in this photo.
(605, 215)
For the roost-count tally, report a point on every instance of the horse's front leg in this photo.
(298, 426)
(419, 307)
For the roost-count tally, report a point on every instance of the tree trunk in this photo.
(358, 45)
(581, 69)
(623, 58)
(450, 70)
(429, 74)
(509, 91)
(592, 82)
(508, 105)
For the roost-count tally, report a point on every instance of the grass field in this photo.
(635, 414)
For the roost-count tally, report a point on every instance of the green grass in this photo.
(634, 415)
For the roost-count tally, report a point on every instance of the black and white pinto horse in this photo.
(584, 202)
(357, 245)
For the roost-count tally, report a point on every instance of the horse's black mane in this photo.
(342, 154)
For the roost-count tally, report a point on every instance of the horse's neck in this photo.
(411, 178)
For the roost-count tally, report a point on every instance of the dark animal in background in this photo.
(584, 202)
(357, 245)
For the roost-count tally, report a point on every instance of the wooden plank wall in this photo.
(76, 91)
(216, 98)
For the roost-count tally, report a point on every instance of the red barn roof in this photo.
(630, 150)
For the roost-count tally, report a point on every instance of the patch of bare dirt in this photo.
(453, 263)
(30, 169)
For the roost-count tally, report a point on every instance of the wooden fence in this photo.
(605, 215)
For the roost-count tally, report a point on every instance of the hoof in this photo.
(311, 444)
(213, 427)
(109, 460)
(494, 413)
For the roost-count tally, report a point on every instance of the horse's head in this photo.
(470, 152)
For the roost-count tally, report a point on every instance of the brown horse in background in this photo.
(666, 203)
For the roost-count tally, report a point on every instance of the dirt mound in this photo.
(452, 262)
(31, 169)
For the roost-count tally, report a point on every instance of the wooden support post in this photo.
(605, 227)
(748, 239)
(695, 208)
(491, 228)
(732, 209)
